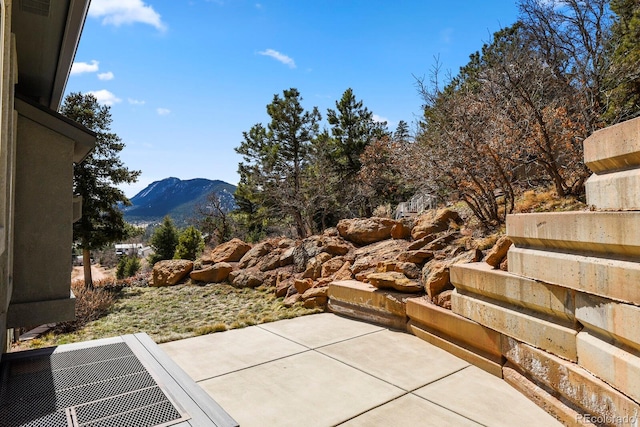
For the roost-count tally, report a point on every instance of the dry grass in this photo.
(546, 200)
(178, 312)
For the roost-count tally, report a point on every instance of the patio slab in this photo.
(320, 329)
(326, 370)
(485, 399)
(307, 389)
(397, 358)
(410, 411)
(229, 351)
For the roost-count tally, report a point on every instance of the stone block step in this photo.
(364, 301)
(615, 364)
(611, 319)
(524, 325)
(614, 148)
(480, 278)
(459, 336)
(614, 191)
(609, 278)
(605, 234)
(574, 385)
(545, 398)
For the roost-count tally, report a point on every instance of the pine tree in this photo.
(164, 241)
(96, 178)
(190, 244)
(276, 158)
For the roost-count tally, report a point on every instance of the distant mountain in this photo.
(176, 198)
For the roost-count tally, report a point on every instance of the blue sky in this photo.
(185, 78)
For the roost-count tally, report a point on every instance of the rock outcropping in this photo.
(409, 256)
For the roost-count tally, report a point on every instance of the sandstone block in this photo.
(437, 280)
(606, 233)
(332, 266)
(457, 328)
(544, 398)
(344, 273)
(402, 229)
(302, 285)
(417, 257)
(479, 278)
(524, 325)
(315, 302)
(456, 334)
(170, 272)
(252, 257)
(498, 252)
(291, 300)
(426, 225)
(618, 366)
(246, 279)
(363, 231)
(421, 243)
(593, 275)
(231, 251)
(614, 148)
(286, 258)
(318, 291)
(365, 301)
(614, 191)
(215, 273)
(573, 383)
(394, 280)
(443, 299)
(270, 261)
(614, 320)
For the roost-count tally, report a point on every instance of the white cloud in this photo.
(136, 101)
(119, 12)
(106, 76)
(163, 111)
(379, 119)
(84, 67)
(279, 57)
(105, 97)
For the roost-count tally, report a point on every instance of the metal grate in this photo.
(96, 386)
(38, 7)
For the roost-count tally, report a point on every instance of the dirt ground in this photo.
(97, 272)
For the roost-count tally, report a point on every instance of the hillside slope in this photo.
(177, 198)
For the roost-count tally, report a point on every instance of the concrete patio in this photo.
(325, 370)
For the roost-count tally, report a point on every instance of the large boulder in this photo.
(344, 273)
(215, 273)
(252, 257)
(402, 229)
(314, 266)
(270, 261)
(246, 279)
(231, 251)
(364, 231)
(437, 279)
(368, 257)
(332, 266)
(426, 225)
(302, 285)
(394, 280)
(170, 272)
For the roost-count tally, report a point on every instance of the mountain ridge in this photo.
(176, 198)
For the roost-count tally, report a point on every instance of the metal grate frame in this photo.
(104, 385)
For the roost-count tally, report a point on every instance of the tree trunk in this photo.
(86, 263)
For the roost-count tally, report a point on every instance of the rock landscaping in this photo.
(409, 256)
